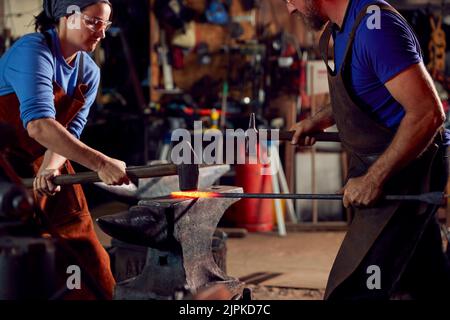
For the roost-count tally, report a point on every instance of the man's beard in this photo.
(312, 18)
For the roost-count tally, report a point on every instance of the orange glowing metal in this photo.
(195, 194)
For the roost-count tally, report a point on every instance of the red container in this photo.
(255, 215)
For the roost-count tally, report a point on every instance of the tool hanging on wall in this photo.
(437, 47)
(217, 12)
(166, 67)
(172, 13)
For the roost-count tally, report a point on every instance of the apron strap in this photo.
(80, 69)
(324, 44)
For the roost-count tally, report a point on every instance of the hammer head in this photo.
(188, 176)
(188, 169)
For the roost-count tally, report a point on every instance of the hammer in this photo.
(187, 171)
(187, 174)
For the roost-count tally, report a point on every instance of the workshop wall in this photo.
(188, 70)
(19, 15)
(201, 66)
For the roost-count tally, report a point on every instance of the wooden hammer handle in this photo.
(91, 177)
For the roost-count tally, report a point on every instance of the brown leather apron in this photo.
(67, 211)
(390, 235)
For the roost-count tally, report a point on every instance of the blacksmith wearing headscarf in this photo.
(48, 83)
(53, 10)
(56, 9)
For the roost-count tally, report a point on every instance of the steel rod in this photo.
(436, 198)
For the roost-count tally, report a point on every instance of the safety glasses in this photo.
(95, 24)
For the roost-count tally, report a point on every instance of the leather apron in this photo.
(67, 211)
(390, 235)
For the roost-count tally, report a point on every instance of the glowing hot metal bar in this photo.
(436, 198)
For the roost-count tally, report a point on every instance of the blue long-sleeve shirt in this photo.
(29, 68)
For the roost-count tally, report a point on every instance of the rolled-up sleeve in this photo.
(30, 73)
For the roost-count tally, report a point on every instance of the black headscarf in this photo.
(56, 9)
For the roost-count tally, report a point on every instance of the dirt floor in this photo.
(261, 292)
(291, 267)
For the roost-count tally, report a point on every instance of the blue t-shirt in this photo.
(29, 68)
(378, 55)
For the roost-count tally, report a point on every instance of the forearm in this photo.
(323, 119)
(53, 136)
(413, 136)
(52, 160)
